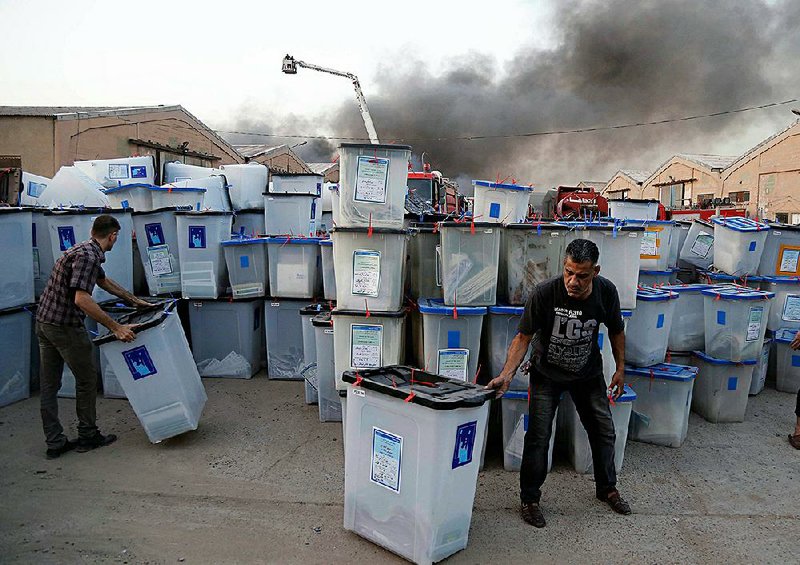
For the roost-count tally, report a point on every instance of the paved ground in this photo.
(262, 481)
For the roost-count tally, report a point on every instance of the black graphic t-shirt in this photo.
(565, 329)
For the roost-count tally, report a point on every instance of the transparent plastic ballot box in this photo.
(157, 238)
(204, 273)
(663, 399)
(291, 214)
(679, 235)
(500, 202)
(531, 254)
(698, 247)
(423, 251)
(785, 309)
(42, 251)
(412, 453)
(330, 407)
(297, 183)
(246, 184)
(576, 440)
(171, 196)
(760, 368)
(309, 370)
(501, 328)
(328, 270)
(227, 336)
(249, 223)
(451, 338)
(284, 331)
(687, 332)
(719, 278)
(247, 262)
(738, 245)
(514, 412)
(648, 328)
(781, 256)
(370, 267)
(120, 171)
(722, 388)
(136, 196)
(735, 322)
(469, 263)
(16, 244)
(655, 244)
(633, 209)
(157, 372)
(787, 362)
(294, 265)
(373, 182)
(15, 354)
(657, 278)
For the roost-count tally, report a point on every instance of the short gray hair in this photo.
(582, 250)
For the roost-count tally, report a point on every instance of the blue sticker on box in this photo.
(465, 443)
(125, 204)
(600, 341)
(35, 189)
(453, 339)
(732, 382)
(197, 237)
(138, 172)
(494, 210)
(244, 261)
(660, 321)
(66, 237)
(155, 234)
(139, 362)
(721, 317)
(795, 360)
(752, 246)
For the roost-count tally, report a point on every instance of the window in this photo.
(739, 197)
(795, 219)
(782, 217)
(704, 200)
(672, 195)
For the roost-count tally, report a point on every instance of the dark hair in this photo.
(582, 250)
(104, 225)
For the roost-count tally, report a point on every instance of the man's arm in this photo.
(618, 349)
(110, 285)
(516, 354)
(85, 302)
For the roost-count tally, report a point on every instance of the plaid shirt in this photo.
(79, 268)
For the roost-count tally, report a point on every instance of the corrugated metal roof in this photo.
(635, 175)
(321, 168)
(251, 151)
(61, 111)
(592, 184)
(713, 162)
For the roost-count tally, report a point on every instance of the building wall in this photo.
(32, 139)
(679, 169)
(621, 182)
(282, 163)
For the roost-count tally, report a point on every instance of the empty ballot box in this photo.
(294, 267)
(501, 203)
(246, 184)
(330, 407)
(738, 245)
(284, 331)
(721, 388)
(514, 413)
(657, 278)
(412, 454)
(249, 223)
(781, 255)
(469, 263)
(328, 270)
(15, 354)
(687, 331)
(785, 309)
(500, 331)
(42, 251)
(297, 183)
(452, 338)
(202, 260)
(157, 373)
(698, 247)
(787, 362)
(423, 251)
(663, 400)
(157, 238)
(633, 209)
(291, 214)
(120, 171)
(656, 241)
(247, 261)
(760, 368)
(309, 370)
(649, 327)
(16, 243)
(736, 321)
(530, 254)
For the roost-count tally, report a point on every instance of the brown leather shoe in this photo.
(616, 502)
(794, 441)
(532, 514)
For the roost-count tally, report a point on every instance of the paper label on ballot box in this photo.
(387, 454)
(754, 323)
(366, 272)
(453, 363)
(366, 344)
(372, 176)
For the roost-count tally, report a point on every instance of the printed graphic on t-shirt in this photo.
(571, 341)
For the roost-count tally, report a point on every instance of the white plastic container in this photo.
(111, 386)
(15, 354)
(136, 196)
(191, 197)
(760, 369)
(452, 338)
(16, 243)
(787, 362)
(334, 194)
(157, 373)
(500, 203)
(291, 214)
(425, 277)
(469, 256)
(688, 330)
(246, 184)
(531, 254)
(370, 268)
(633, 209)
(294, 265)
(649, 327)
(330, 407)
(362, 342)
(604, 344)
(157, 237)
(722, 387)
(42, 250)
(663, 398)
(785, 309)
(34, 188)
(655, 243)
(411, 468)
(204, 273)
(120, 171)
(175, 171)
(781, 256)
(247, 263)
(658, 278)
(309, 370)
(249, 223)
(500, 330)
(227, 338)
(577, 444)
(284, 327)
(738, 245)
(71, 187)
(299, 183)
(372, 185)
(328, 271)
(736, 321)
(514, 413)
(698, 247)
(679, 234)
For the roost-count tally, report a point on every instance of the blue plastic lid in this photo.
(740, 224)
(436, 306)
(293, 240)
(651, 294)
(243, 241)
(781, 280)
(488, 184)
(717, 276)
(650, 222)
(515, 395)
(715, 361)
(628, 395)
(177, 189)
(326, 242)
(729, 292)
(785, 335)
(514, 310)
(697, 287)
(626, 313)
(668, 272)
(666, 371)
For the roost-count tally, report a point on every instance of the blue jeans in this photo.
(589, 396)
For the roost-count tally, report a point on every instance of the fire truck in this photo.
(430, 192)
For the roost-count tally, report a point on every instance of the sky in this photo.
(429, 70)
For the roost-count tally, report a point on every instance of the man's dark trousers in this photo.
(57, 345)
(592, 404)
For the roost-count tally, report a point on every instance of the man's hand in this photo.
(139, 303)
(500, 383)
(125, 333)
(617, 386)
(795, 342)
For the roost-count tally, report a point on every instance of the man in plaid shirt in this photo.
(66, 300)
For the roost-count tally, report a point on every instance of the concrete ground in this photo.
(262, 481)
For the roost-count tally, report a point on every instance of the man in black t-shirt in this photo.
(564, 314)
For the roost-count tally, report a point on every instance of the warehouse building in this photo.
(626, 183)
(279, 158)
(685, 180)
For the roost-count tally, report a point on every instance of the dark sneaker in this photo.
(532, 514)
(55, 453)
(794, 441)
(616, 502)
(99, 440)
